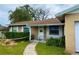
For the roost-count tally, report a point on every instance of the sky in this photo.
(53, 8)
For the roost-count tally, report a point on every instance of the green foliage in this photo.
(56, 42)
(62, 42)
(43, 49)
(26, 12)
(21, 14)
(12, 35)
(14, 50)
(52, 42)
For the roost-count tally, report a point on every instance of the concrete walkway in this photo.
(30, 49)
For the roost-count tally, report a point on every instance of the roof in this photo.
(67, 10)
(2, 28)
(53, 21)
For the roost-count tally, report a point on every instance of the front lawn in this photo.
(42, 49)
(13, 50)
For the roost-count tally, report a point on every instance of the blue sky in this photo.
(53, 8)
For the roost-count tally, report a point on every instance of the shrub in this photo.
(52, 42)
(12, 35)
(62, 42)
(56, 42)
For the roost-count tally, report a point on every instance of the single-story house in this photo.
(65, 24)
(70, 17)
(40, 29)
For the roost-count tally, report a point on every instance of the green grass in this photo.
(42, 49)
(13, 50)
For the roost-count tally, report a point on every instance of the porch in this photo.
(38, 33)
(41, 33)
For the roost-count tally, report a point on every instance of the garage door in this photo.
(77, 36)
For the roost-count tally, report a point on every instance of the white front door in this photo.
(40, 33)
(77, 36)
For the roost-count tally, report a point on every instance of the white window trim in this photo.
(22, 29)
(17, 28)
(55, 29)
(10, 30)
(54, 36)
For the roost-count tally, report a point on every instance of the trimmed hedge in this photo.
(12, 35)
(56, 42)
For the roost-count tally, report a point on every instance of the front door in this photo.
(40, 33)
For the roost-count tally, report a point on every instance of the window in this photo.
(54, 30)
(26, 29)
(14, 29)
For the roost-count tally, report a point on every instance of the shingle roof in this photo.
(38, 22)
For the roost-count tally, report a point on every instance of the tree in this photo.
(26, 13)
(41, 14)
(21, 14)
(38, 13)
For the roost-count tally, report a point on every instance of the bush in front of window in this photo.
(62, 42)
(58, 42)
(13, 35)
(52, 42)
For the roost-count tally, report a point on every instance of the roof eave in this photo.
(37, 24)
(46, 24)
(67, 10)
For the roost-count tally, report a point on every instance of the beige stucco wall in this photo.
(70, 32)
(34, 31)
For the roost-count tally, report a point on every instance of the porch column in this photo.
(17, 29)
(29, 31)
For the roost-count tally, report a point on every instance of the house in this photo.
(65, 24)
(40, 29)
(70, 18)
(2, 29)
